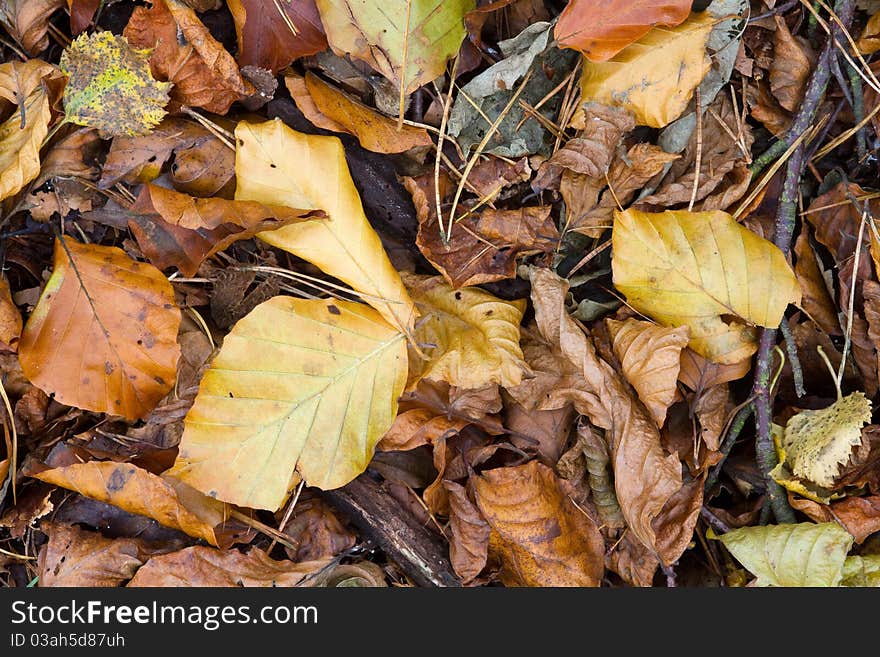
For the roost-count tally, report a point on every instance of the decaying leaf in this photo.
(22, 134)
(817, 443)
(269, 165)
(165, 499)
(706, 271)
(110, 87)
(469, 544)
(650, 356)
(815, 297)
(791, 68)
(470, 336)
(540, 536)
(654, 77)
(103, 334)
(598, 462)
(10, 319)
(375, 132)
(179, 230)
(804, 554)
(600, 30)
(861, 571)
(288, 391)
(205, 566)
(28, 22)
(316, 531)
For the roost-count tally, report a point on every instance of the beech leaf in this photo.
(305, 385)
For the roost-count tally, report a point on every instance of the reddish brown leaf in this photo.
(81, 13)
(535, 430)
(203, 73)
(539, 535)
(600, 30)
(28, 22)
(791, 66)
(205, 566)
(860, 516)
(75, 557)
(815, 300)
(177, 230)
(316, 531)
(699, 373)
(490, 176)
(469, 543)
(635, 563)
(271, 35)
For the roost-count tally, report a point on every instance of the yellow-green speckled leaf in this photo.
(300, 385)
(862, 571)
(798, 555)
(783, 475)
(110, 86)
(817, 443)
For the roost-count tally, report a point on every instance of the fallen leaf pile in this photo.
(466, 293)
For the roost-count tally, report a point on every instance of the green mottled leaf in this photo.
(110, 86)
(805, 554)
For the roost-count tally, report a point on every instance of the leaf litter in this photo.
(516, 294)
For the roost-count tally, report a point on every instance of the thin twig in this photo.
(791, 350)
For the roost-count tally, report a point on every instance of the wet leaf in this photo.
(540, 536)
(204, 566)
(179, 230)
(271, 37)
(470, 336)
(650, 356)
(654, 77)
(103, 334)
(288, 391)
(110, 87)
(268, 164)
(601, 30)
(804, 554)
(704, 270)
(164, 499)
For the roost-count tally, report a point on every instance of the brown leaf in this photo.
(712, 409)
(203, 73)
(635, 563)
(484, 246)
(75, 557)
(374, 131)
(316, 531)
(469, 543)
(600, 30)
(81, 14)
(650, 357)
(764, 108)
(28, 22)
(205, 566)
(647, 480)
(536, 430)
(860, 516)
(699, 373)
(490, 176)
(864, 466)
(815, 300)
(674, 525)
(177, 230)
(168, 501)
(539, 535)
(791, 67)
(10, 320)
(272, 36)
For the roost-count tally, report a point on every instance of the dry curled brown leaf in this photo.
(469, 540)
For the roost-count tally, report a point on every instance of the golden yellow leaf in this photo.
(654, 77)
(703, 270)
(103, 336)
(164, 499)
(650, 356)
(305, 385)
(22, 134)
(470, 336)
(280, 166)
(818, 442)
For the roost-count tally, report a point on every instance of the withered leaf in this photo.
(791, 67)
(469, 543)
(28, 22)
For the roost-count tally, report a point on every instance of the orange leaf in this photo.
(10, 318)
(103, 336)
(541, 537)
(600, 30)
(179, 230)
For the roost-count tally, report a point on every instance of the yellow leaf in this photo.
(165, 500)
(817, 443)
(799, 555)
(862, 571)
(103, 336)
(470, 336)
(650, 357)
(277, 165)
(703, 270)
(110, 86)
(304, 384)
(22, 134)
(654, 77)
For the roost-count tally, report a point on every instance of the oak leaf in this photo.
(600, 30)
(269, 168)
(703, 270)
(103, 334)
(179, 230)
(540, 536)
(305, 385)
